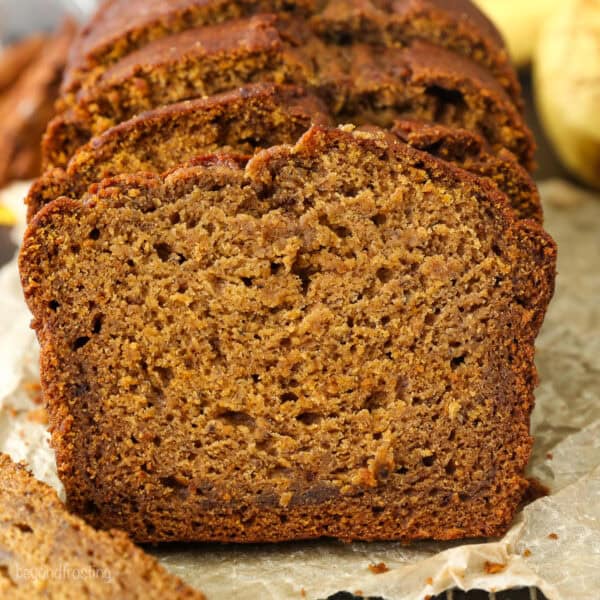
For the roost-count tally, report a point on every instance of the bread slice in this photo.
(241, 121)
(336, 340)
(15, 58)
(360, 83)
(257, 117)
(122, 26)
(28, 105)
(472, 153)
(47, 553)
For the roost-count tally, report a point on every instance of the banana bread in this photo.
(257, 117)
(334, 340)
(360, 83)
(241, 121)
(123, 26)
(28, 105)
(471, 152)
(47, 553)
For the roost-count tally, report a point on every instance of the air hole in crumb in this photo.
(23, 528)
(288, 397)
(97, 324)
(379, 219)
(247, 281)
(377, 510)
(309, 418)
(375, 400)
(384, 274)
(286, 342)
(304, 274)
(339, 230)
(170, 417)
(182, 288)
(457, 361)
(255, 377)
(452, 435)
(402, 470)
(175, 218)
(275, 268)
(385, 320)
(428, 460)
(80, 342)
(94, 234)
(450, 467)
(53, 305)
(157, 441)
(163, 251)
(237, 418)
(173, 483)
(165, 374)
(496, 250)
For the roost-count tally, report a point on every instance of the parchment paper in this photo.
(554, 543)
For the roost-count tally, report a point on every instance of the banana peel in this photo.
(520, 22)
(567, 86)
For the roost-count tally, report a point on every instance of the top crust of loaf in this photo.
(120, 27)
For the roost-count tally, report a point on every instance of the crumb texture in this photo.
(334, 340)
(47, 553)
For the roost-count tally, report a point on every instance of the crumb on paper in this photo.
(303, 593)
(34, 390)
(38, 415)
(549, 455)
(379, 568)
(492, 568)
(527, 553)
(553, 536)
(358, 593)
(429, 581)
(428, 597)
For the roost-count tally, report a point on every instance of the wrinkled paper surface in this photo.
(554, 543)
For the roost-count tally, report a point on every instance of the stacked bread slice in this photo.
(286, 267)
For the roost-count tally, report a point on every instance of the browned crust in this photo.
(120, 28)
(352, 80)
(472, 153)
(375, 515)
(28, 503)
(266, 115)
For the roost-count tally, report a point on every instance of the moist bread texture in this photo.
(48, 553)
(360, 83)
(122, 26)
(472, 153)
(241, 121)
(258, 117)
(334, 340)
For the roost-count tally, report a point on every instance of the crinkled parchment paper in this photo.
(555, 541)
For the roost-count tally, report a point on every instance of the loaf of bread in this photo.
(123, 26)
(47, 553)
(334, 339)
(287, 268)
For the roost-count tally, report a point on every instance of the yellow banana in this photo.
(519, 22)
(567, 86)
